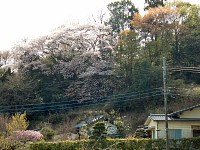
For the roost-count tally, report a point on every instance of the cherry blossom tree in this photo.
(81, 54)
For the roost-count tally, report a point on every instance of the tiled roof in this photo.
(158, 117)
(182, 110)
(88, 121)
(81, 124)
(161, 117)
(172, 116)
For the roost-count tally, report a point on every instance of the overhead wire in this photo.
(109, 102)
(71, 101)
(84, 103)
(184, 92)
(188, 69)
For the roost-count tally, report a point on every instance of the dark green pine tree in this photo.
(153, 3)
(121, 14)
(99, 131)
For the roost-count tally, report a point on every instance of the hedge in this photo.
(118, 144)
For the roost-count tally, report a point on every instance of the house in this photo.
(183, 123)
(87, 126)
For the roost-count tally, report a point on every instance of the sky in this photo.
(21, 19)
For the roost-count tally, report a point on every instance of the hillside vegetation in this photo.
(94, 69)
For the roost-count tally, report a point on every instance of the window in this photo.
(196, 130)
(196, 133)
(154, 134)
(175, 133)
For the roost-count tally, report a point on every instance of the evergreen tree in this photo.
(99, 131)
(154, 3)
(121, 13)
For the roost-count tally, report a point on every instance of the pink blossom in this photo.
(27, 135)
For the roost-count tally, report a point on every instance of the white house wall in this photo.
(184, 125)
(153, 126)
(194, 113)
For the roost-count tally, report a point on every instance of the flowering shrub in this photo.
(27, 135)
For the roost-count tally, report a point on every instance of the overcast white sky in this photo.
(32, 18)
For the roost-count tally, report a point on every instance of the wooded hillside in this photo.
(116, 65)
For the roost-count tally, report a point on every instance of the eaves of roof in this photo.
(182, 110)
(147, 121)
(161, 117)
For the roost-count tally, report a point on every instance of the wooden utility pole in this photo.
(165, 103)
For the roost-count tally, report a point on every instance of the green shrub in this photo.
(6, 143)
(17, 122)
(48, 133)
(120, 127)
(140, 133)
(99, 131)
(11, 139)
(118, 144)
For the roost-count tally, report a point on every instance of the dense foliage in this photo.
(128, 144)
(99, 131)
(121, 13)
(17, 122)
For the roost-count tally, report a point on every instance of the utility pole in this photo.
(165, 103)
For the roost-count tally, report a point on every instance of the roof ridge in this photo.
(156, 114)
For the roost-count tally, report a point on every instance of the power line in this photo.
(189, 90)
(74, 101)
(182, 92)
(85, 103)
(187, 69)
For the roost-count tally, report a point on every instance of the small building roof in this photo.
(161, 117)
(158, 117)
(155, 117)
(81, 124)
(89, 121)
